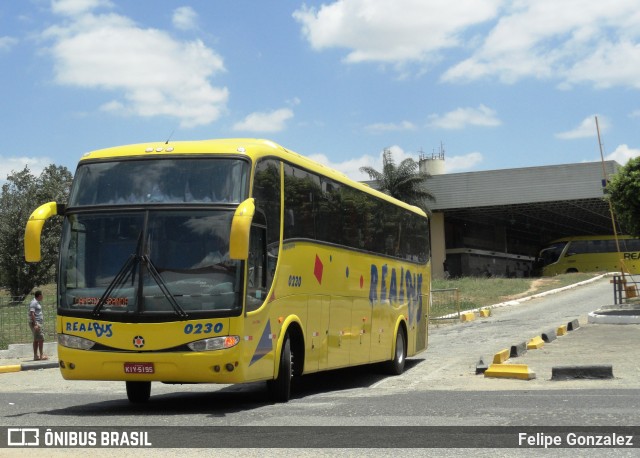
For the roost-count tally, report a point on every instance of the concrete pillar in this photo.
(438, 250)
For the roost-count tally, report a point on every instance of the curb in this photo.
(28, 366)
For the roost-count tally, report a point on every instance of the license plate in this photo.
(138, 368)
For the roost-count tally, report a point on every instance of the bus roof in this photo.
(590, 237)
(250, 147)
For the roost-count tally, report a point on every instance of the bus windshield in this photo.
(153, 263)
(160, 181)
(552, 253)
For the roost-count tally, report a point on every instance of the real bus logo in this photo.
(409, 285)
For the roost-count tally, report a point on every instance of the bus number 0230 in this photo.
(200, 328)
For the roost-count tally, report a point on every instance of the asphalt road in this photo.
(439, 388)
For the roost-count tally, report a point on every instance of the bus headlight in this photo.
(214, 343)
(75, 342)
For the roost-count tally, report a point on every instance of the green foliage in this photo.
(624, 194)
(21, 194)
(404, 181)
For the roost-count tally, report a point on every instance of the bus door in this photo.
(340, 332)
(316, 341)
(360, 331)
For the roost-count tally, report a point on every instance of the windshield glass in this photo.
(158, 181)
(552, 253)
(150, 262)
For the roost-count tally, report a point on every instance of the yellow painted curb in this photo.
(517, 371)
(485, 313)
(501, 356)
(535, 343)
(562, 330)
(12, 368)
(469, 316)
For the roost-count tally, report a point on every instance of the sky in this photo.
(495, 84)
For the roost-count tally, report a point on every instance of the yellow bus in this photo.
(591, 253)
(230, 261)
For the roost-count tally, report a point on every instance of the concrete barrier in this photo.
(517, 371)
(562, 330)
(536, 343)
(573, 325)
(604, 371)
(518, 349)
(501, 356)
(468, 316)
(481, 367)
(549, 336)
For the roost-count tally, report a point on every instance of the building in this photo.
(495, 222)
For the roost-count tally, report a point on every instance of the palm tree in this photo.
(404, 182)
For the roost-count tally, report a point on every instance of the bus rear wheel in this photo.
(138, 392)
(396, 365)
(280, 387)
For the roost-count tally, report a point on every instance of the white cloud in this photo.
(569, 41)
(622, 154)
(351, 167)
(36, 165)
(6, 43)
(75, 7)
(392, 31)
(156, 74)
(390, 127)
(463, 163)
(586, 129)
(273, 121)
(463, 117)
(185, 18)
(572, 41)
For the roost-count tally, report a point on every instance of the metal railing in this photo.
(625, 289)
(14, 322)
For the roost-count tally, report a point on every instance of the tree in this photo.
(624, 195)
(21, 194)
(404, 182)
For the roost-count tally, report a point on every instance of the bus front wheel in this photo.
(280, 387)
(138, 392)
(396, 365)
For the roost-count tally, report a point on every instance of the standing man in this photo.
(36, 323)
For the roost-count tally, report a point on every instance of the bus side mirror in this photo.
(33, 230)
(240, 230)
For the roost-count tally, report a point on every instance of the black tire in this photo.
(396, 365)
(280, 388)
(138, 392)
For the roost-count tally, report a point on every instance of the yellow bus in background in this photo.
(230, 261)
(591, 254)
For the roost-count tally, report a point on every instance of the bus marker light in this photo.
(229, 367)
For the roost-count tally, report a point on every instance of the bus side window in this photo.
(257, 269)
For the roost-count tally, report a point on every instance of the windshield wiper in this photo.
(123, 273)
(163, 286)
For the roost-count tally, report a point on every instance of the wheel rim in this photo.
(400, 348)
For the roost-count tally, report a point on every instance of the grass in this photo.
(476, 292)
